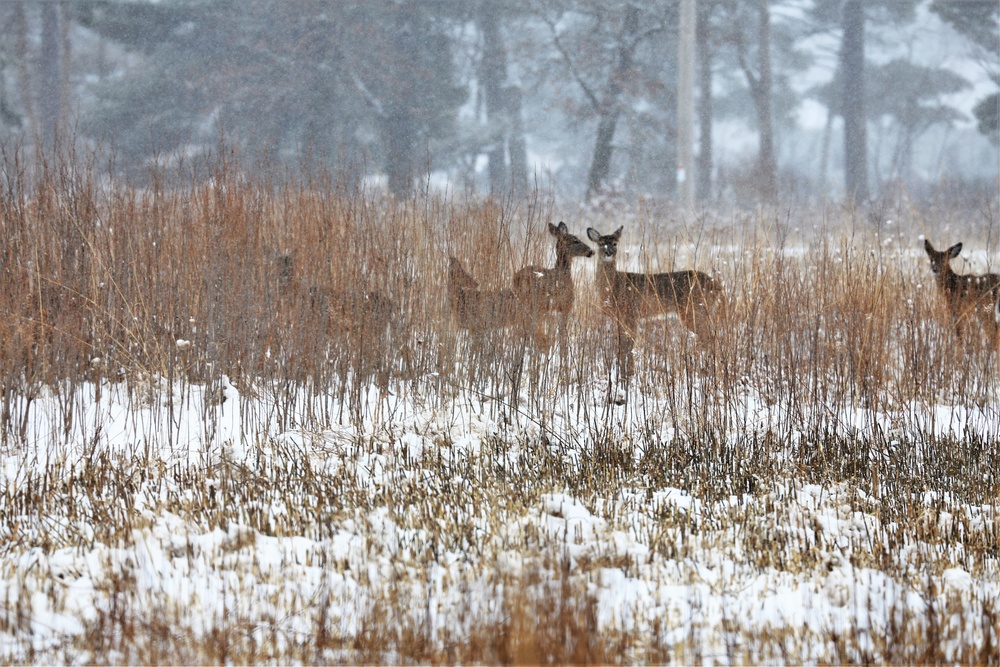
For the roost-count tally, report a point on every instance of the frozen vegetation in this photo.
(199, 463)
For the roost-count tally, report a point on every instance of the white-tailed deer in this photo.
(477, 310)
(629, 297)
(357, 319)
(967, 296)
(540, 290)
(536, 291)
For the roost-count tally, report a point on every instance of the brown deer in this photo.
(967, 296)
(536, 291)
(476, 310)
(540, 290)
(629, 297)
(358, 319)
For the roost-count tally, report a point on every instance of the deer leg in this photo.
(697, 318)
(542, 340)
(689, 318)
(535, 329)
(992, 328)
(562, 323)
(626, 341)
(959, 325)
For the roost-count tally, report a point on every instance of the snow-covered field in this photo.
(240, 424)
(144, 522)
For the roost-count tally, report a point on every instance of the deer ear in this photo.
(562, 227)
(553, 229)
(954, 250)
(593, 234)
(928, 247)
(618, 232)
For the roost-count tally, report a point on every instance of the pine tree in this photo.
(337, 84)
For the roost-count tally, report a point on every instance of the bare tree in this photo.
(606, 42)
(761, 84)
(852, 107)
(503, 107)
(610, 103)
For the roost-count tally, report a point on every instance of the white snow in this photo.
(657, 563)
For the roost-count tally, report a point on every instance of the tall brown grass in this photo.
(834, 333)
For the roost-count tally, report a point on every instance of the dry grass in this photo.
(828, 331)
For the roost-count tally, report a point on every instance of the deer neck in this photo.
(562, 262)
(607, 272)
(947, 279)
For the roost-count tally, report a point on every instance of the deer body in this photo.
(551, 290)
(629, 297)
(967, 296)
(357, 319)
(347, 310)
(477, 310)
(535, 292)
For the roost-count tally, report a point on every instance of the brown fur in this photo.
(551, 290)
(477, 310)
(358, 316)
(629, 297)
(967, 296)
(536, 292)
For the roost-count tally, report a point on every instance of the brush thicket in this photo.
(332, 304)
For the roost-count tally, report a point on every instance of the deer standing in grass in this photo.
(541, 291)
(355, 320)
(967, 296)
(536, 291)
(477, 310)
(629, 297)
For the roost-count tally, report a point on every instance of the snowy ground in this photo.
(142, 520)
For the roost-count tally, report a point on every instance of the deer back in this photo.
(651, 294)
(475, 309)
(963, 293)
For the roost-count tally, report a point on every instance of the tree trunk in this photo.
(494, 72)
(400, 125)
(704, 166)
(765, 171)
(65, 65)
(516, 145)
(824, 153)
(50, 99)
(767, 176)
(600, 165)
(399, 130)
(852, 67)
(23, 72)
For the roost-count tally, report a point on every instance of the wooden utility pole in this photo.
(685, 106)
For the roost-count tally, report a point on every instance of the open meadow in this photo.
(240, 424)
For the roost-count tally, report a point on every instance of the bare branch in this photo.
(368, 95)
(587, 91)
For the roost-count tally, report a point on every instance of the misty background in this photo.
(795, 100)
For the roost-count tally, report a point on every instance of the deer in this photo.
(535, 292)
(629, 297)
(360, 318)
(476, 310)
(540, 290)
(967, 296)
